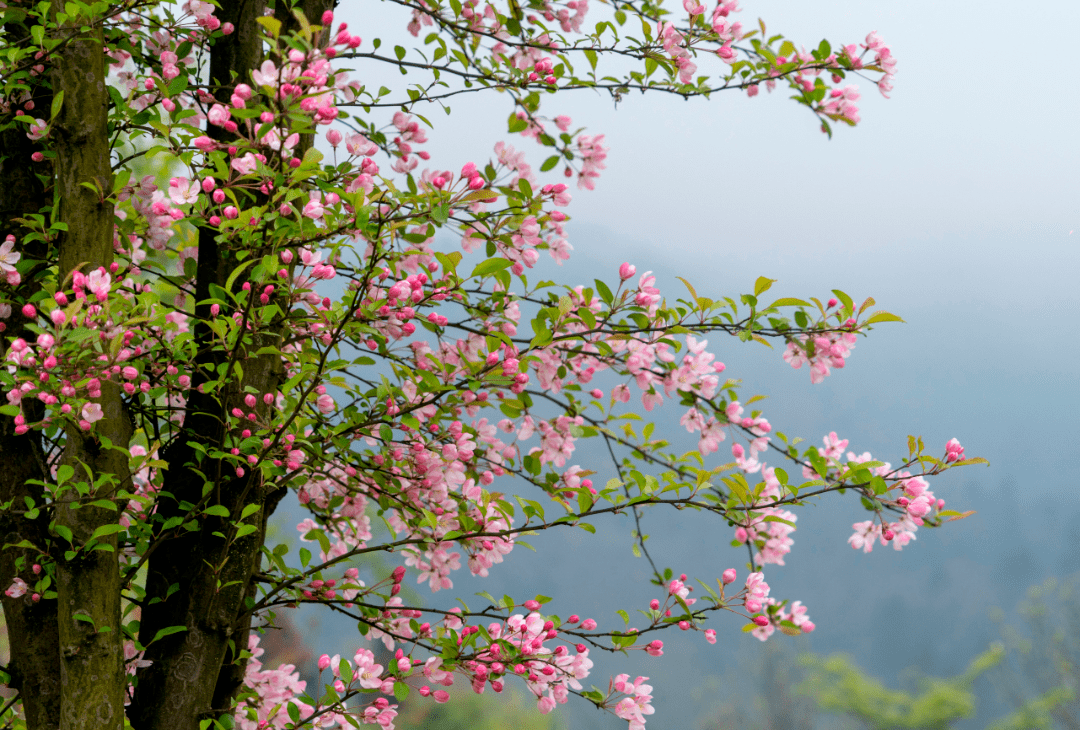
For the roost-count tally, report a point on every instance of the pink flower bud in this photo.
(729, 576)
(761, 620)
(627, 271)
(324, 662)
(28, 311)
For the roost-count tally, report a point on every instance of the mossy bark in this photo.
(33, 634)
(88, 584)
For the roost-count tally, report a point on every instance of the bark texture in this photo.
(202, 580)
(88, 585)
(33, 634)
(196, 673)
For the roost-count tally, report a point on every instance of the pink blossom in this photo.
(325, 403)
(182, 192)
(39, 129)
(865, 535)
(92, 413)
(218, 115)
(245, 165)
(313, 208)
(8, 257)
(99, 283)
(17, 589)
(953, 451)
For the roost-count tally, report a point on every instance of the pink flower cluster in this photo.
(822, 352)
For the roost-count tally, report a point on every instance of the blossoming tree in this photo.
(285, 314)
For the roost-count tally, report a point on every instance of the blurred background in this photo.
(953, 204)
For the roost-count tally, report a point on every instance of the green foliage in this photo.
(839, 685)
(1040, 673)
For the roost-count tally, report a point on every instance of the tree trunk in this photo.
(33, 634)
(88, 584)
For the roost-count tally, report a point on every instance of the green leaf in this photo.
(236, 273)
(762, 285)
(401, 691)
(882, 317)
(789, 302)
(64, 473)
(272, 25)
(168, 631)
(774, 518)
(604, 292)
(849, 306)
(57, 102)
(515, 124)
(217, 510)
(549, 163)
(491, 266)
(106, 530)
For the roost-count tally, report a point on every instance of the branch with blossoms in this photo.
(267, 318)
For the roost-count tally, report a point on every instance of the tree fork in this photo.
(196, 673)
(209, 654)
